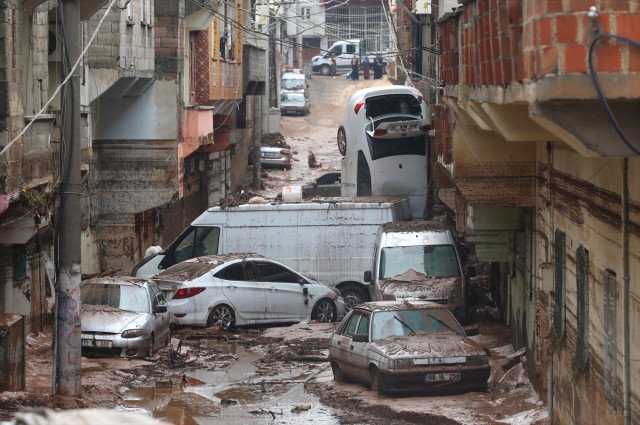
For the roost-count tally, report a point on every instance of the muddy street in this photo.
(315, 132)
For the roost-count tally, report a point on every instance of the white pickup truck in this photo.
(345, 51)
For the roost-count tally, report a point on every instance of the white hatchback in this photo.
(384, 144)
(244, 289)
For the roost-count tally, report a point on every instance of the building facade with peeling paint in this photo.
(545, 189)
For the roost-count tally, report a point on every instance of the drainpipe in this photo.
(625, 291)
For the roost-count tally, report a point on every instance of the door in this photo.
(359, 350)
(346, 346)
(160, 320)
(344, 59)
(284, 292)
(245, 294)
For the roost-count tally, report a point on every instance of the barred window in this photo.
(559, 290)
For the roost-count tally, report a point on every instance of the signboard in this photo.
(423, 7)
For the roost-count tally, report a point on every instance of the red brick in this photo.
(554, 6)
(507, 76)
(609, 58)
(518, 68)
(549, 61)
(514, 8)
(528, 65)
(615, 5)
(629, 26)
(575, 58)
(579, 6)
(544, 32)
(566, 28)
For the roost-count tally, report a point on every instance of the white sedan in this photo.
(244, 289)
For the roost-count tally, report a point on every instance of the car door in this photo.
(245, 294)
(284, 291)
(344, 59)
(344, 343)
(359, 350)
(161, 320)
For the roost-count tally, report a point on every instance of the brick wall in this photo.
(496, 42)
(444, 125)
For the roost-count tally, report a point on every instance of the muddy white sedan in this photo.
(124, 316)
(401, 346)
(244, 289)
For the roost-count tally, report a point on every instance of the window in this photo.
(430, 260)
(19, 261)
(559, 276)
(305, 13)
(270, 272)
(197, 242)
(352, 327)
(129, 12)
(383, 148)
(363, 326)
(145, 11)
(232, 272)
(610, 349)
(351, 49)
(582, 295)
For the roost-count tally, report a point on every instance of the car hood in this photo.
(444, 344)
(101, 318)
(415, 285)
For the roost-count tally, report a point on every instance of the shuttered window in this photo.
(582, 301)
(559, 290)
(610, 348)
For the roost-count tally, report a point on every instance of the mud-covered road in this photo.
(315, 132)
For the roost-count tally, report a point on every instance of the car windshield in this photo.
(124, 297)
(292, 97)
(292, 84)
(431, 260)
(409, 322)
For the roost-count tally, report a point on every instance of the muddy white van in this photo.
(329, 241)
(419, 260)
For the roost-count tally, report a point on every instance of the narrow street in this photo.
(277, 375)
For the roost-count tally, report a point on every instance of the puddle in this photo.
(236, 392)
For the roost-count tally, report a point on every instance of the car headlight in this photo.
(477, 360)
(400, 364)
(132, 333)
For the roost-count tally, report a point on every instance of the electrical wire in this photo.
(598, 87)
(62, 84)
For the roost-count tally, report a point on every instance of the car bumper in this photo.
(292, 110)
(114, 344)
(276, 162)
(471, 378)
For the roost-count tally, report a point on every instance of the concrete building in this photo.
(546, 189)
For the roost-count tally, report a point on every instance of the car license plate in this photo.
(404, 127)
(270, 155)
(442, 377)
(100, 343)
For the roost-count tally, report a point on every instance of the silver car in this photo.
(275, 157)
(294, 103)
(124, 316)
(400, 346)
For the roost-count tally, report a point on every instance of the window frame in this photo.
(559, 283)
(582, 307)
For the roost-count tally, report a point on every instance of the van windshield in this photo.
(431, 260)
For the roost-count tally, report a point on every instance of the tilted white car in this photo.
(383, 141)
(244, 289)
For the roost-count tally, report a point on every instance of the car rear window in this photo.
(393, 104)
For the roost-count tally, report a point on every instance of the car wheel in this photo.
(222, 316)
(353, 295)
(342, 141)
(338, 376)
(374, 379)
(325, 70)
(324, 311)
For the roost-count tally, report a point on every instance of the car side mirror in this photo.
(160, 309)
(360, 338)
(472, 331)
(367, 276)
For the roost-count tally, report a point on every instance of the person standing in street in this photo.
(377, 67)
(355, 68)
(334, 67)
(365, 67)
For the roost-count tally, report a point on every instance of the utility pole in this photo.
(68, 341)
(273, 74)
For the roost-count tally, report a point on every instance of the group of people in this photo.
(377, 67)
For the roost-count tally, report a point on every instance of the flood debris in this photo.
(275, 140)
(301, 408)
(313, 163)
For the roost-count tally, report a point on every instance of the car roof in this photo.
(375, 306)
(117, 280)
(196, 267)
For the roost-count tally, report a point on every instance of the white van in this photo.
(332, 242)
(419, 260)
(293, 81)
